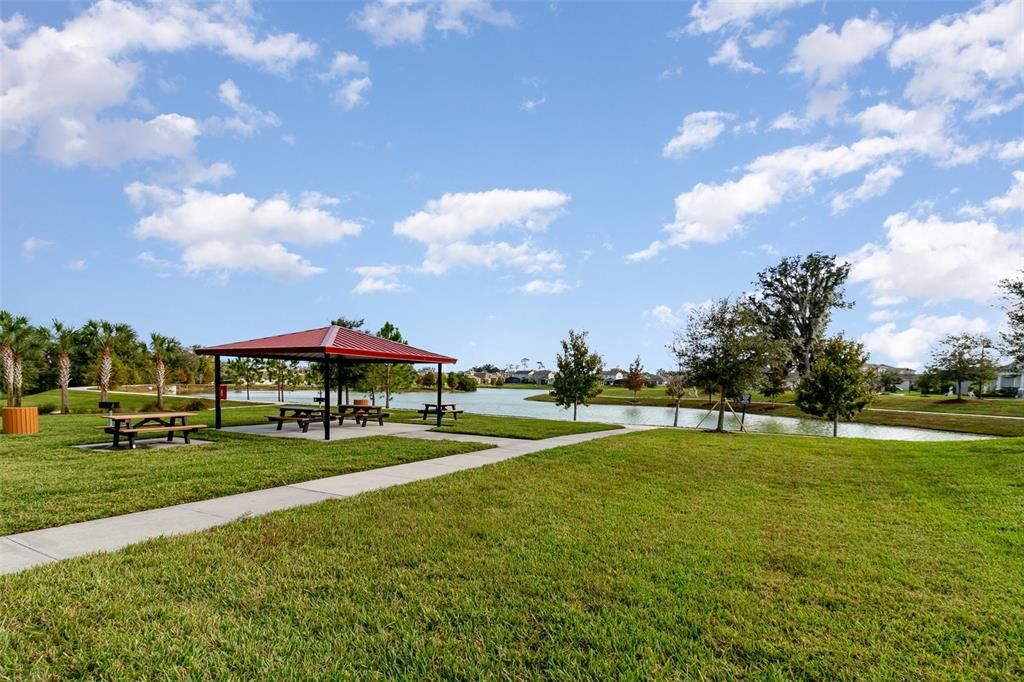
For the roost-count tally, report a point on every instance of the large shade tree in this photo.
(577, 374)
(963, 358)
(1013, 334)
(795, 299)
(724, 346)
(839, 385)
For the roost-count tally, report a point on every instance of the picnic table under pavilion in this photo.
(332, 346)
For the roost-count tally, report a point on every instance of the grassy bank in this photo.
(506, 427)
(940, 414)
(663, 554)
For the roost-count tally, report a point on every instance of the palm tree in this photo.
(63, 344)
(17, 339)
(162, 347)
(105, 340)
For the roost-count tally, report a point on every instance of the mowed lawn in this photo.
(665, 554)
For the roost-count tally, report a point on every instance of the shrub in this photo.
(195, 405)
(151, 406)
(47, 408)
(465, 383)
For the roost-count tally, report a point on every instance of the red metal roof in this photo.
(314, 344)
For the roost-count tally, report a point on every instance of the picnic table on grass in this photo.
(130, 425)
(446, 409)
(361, 414)
(300, 414)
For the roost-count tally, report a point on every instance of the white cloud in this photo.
(713, 15)
(876, 183)
(543, 286)
(447, 225)
(531, 104)
(1013, 200)
(353, 93)
(345, 64)
(995, 107)
(78, 264)
(222, 233)
(788, 121)
(390, 22)
(69, 141)
(1012, 150)
(670, 73)
(664, 315)
(828, 56)
(699, 130)
(962, 56)
(288, 139)
(768, 37)
(826, 103)
(909, 347)
(938, 260)
(33, 245)
(161, 266)
(883, 315)
(730, 54)
(62, 79)
(248, 120)
(376, 279)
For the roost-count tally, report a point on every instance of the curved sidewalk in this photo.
(33, 548)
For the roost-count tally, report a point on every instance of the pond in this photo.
(511, 402)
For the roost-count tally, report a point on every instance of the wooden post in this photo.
(440, 381)
(327, 398)
(216, 389)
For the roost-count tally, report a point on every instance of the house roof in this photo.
(331, 341)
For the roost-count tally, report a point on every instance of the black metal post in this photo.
(327, 398)
(216, 389)
(341, 367)
(440, 380)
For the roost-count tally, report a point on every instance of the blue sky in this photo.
(488, 175)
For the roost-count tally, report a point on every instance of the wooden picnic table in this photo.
(361, 414)
(130, 425)
(446, 409)
(300, 414)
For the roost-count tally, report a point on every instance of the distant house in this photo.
(907, 375)
(520, 376)
(484, 378)
(543, 376)
(1010, 378)
(613, 377)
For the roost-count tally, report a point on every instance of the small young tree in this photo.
(577, 374)
(452, 381)
(839, 385)
(429, 379)
(926, 382)
(959, 358)
(888, 381)
(635, 377)
(162, 348)
(724, 346)
(773, 383)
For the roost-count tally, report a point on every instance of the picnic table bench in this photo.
(361, 414)
(446, 409)
(301, 414)
(131, 425)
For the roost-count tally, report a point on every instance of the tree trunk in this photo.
(387, 387)
(106, 367)
(17, 381)
(721, 412)
(574, 411)
(675, 419)
(7, 357)
(161, 372)
(64, 379)
(835, 426)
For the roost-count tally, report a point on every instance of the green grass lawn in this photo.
(664, 554)
(506, 427)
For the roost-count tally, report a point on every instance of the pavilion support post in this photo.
(440, 383)
(327, 398)
(341, 368)
(216, 390)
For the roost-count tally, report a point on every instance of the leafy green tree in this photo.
(493, 369)
(350, 374)
(390, 332)
(725, 346)
(888, 381)
(428, 380)
(465, 383)
(577, 374)
(1013, 335)
(961, 358)
(839, 385)
(926, 382)
(246, 372)
(63, 337)
(773, 383)
(284, 376)
(635, 378)
(795, 300)
(452, 381)
(678, 381)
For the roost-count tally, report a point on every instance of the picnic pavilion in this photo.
(332, 347)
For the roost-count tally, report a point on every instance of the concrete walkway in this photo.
(24, 550)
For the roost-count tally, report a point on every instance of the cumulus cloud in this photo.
(531, 104)
(876, 183)
(730, 54)
(391, 22)
(827, 56)
(248, 120)
(351, 71)
(768, 37)
(962, 56)
(667, 316)
(353, 93)
(31, 246)
(448, 226)
(909, 347)
(61, 80)
(714, 15)
(699, 130)
(70, 141)
(224, 233)
(1013, 200)
(544, 286)
(1012, 150)
(376, 279)
(937, 260)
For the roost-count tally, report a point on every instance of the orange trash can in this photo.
(20, 420)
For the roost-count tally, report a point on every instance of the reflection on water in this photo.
(511, 402)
